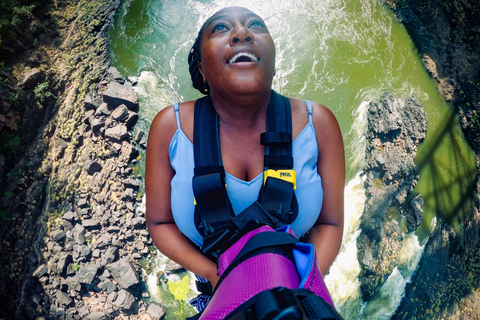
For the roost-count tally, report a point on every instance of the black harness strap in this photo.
(276, 206)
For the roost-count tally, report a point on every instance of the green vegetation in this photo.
(15, 12)
(10, 144)
(4, 216)
(42, 92)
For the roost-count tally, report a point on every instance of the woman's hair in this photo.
(194, 58)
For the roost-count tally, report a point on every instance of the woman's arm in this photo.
(326, 234)
(158, 175)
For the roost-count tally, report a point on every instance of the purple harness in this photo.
(262, 272)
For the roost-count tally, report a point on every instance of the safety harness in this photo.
(276, 205)
(258, 245)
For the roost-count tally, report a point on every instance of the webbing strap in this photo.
(278, 138)
(276, 204)
(265, 239)
(213, 208)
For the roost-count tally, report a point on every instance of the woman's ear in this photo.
(200, 68)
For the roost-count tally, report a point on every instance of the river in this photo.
(342, 54)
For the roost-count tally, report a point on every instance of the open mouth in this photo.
(243, 57)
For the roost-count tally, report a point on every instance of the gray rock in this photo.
(138, 136)
(120, 112)
(72, 284)
(98, 126)
(64, 259)
(79, 234)
(57, 235)
(70, 216)
(87, 273)
(63, 298)
(31, 257)
(102, 110)
(116, 75)
(156, 312)
(90, 103)
(138, 222)
(103, 241)
(107, 286)
(30, 78)
(93, 166)
(395, 129)
(124, 273)
(84, 251)
(118, 94)
(128, 194)
(91, 223)
(117, 133)
(129, 152)
(125, 300)
(131, 120)
(173, 267)
(133, 80)
(97, 315)
(110, 255)
(40, 271)
(113, 229)
(415, 217)
(83, 201)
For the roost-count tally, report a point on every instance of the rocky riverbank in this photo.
(395, 129)
(73, 240)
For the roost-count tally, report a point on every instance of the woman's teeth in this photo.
(242, 57)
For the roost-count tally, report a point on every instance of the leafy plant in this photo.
(75, 266)
(10, 144)
(42, 92)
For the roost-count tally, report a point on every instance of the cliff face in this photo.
(68, 224)
(447, 35)
(395, 129)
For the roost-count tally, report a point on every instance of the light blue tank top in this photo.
(242, 193)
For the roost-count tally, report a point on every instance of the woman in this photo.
(233, 61)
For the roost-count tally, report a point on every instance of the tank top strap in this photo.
(309, 109)
(177, 115)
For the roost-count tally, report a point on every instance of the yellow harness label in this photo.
(286, 175)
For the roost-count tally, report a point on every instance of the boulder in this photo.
(120, 113)
(116, 133)
(87, 273)
(116, 75)
(118, 94)
(125, 300)
(124, 273)
(156, 312)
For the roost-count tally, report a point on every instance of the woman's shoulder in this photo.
(167, 122)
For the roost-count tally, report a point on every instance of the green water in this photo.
(339, 53)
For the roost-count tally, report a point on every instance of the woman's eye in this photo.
(255, 24)
(219, 27)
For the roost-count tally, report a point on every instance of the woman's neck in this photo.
(242, 113)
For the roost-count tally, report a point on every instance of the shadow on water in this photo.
(447, 189)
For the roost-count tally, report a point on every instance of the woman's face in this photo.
(237, 51)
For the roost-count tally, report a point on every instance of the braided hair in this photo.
(194, 59)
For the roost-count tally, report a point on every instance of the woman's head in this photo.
(233, 49)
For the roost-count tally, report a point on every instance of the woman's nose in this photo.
(241, 34)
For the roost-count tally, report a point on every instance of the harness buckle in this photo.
(288, 175)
